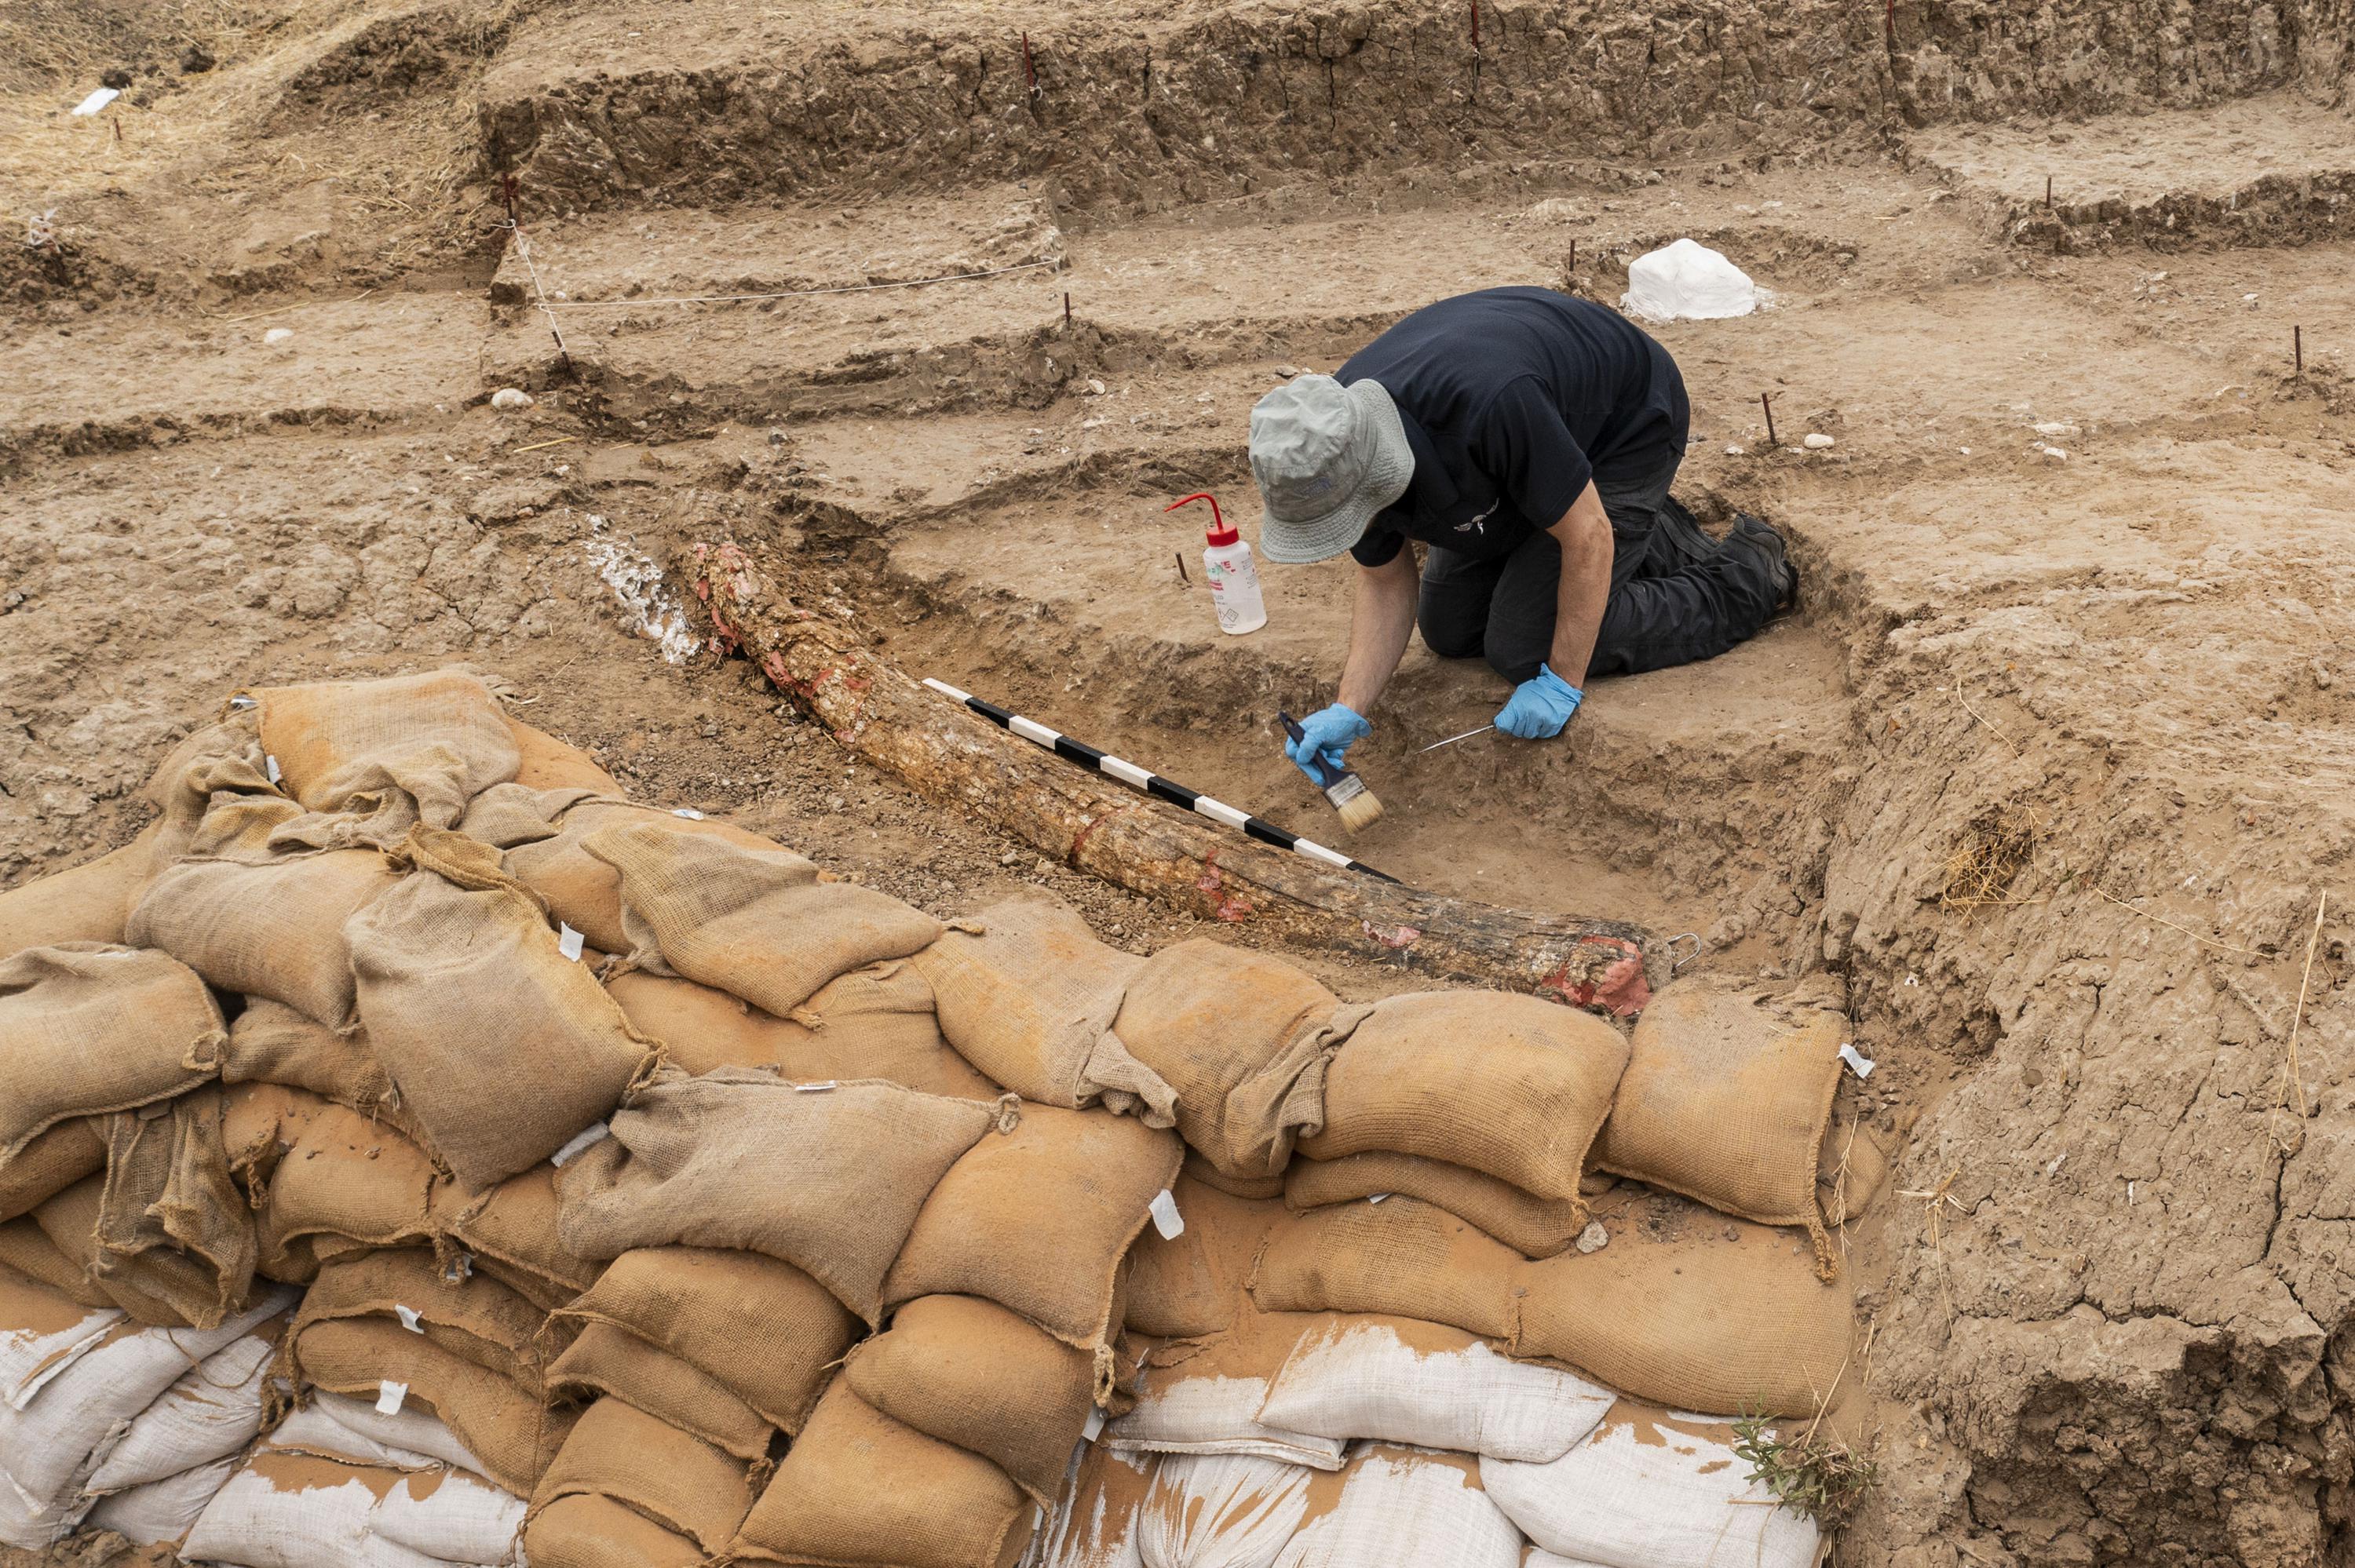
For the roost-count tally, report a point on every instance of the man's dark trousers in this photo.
(1677, 594)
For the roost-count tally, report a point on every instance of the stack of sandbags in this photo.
(1650, 1488)
(1482, 1103)
(340, 1482)
(1211, 1353)
(990, 1235)
(100, 1412)
(114, 1181)
(1681, 1307)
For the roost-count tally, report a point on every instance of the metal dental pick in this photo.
(1451, 739)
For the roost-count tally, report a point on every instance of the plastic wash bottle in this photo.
(1226, 566)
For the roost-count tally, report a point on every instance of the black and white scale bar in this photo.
(1152, 783)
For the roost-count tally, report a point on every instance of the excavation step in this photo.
(2276, 170)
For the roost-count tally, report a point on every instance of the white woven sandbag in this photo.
(1652, 1490)
(311, 1430)
(1687, 281)
(163, 1510)
(283, 1510)
(1221, 1511)
(47, 1447)
(460, 1520)
(34, 1523)
(1432, 1387)
(1407, 1506)
(1538, 1557)
(407, 1429)
(213, 1410)
(1214, 1414)
(41, 1335)
(1095, 1521)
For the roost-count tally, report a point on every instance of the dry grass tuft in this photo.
(1813, 1474)
(1988, 857)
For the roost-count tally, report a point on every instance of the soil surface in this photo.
(2054, 769)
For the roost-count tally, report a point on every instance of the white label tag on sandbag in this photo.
(1166, 1217)
(594, 1133)
(817, 1088)
(1859, 1064)
(242, 701)
(1095, 1423)
(568, 941)
(389, 1397)
(689, 813)
(270, 766)
(1376, 1197)
(409, 1319)
(459, 1269)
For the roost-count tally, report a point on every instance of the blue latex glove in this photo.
(1541, 706)
(1323, 736)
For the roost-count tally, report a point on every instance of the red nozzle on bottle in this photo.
(1220, 531)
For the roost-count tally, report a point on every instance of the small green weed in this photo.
(1809, 1474)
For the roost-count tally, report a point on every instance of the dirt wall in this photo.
(1144, 116)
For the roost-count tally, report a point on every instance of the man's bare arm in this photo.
(1587, 550)
(1381, 621)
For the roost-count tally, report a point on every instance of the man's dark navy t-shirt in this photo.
(1513, 399)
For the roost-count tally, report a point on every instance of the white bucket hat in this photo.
(1327, 457)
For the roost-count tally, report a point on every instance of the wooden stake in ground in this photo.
(828, 667)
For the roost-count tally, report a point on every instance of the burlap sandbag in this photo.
(618, 1451)
(25, 1247)
(828, 1180)
(71, 1221)
(471, 1316)
(1029, 995)
(89, 903)
(597, 1532)
(271, 1043)
(763, 924)
(544, 762)
(1506, 1085)
(1532, 1226)
(264, 922)
(502, 1048)
(387, 753)
(1689, 1309)
(969, 1372)
(875, 1023)
(319, 1172)
(858, 1490)
(1241, 1038)
(87, 1028)
(1193, 1285)
(49, 1163)
(499, 1422)
(513, 1234)
(171, 1223)
(762, 1330)
(1726, 1096)
(606, 1362)
(1398, 1258)
(1039, 1220)
(584, 892)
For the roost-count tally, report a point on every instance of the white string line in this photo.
(523, 249)
(786, 294)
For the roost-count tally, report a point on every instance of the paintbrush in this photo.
(1347, 792)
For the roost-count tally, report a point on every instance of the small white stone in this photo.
(1095, 388)
(1817, 441)
(2053, 454)
(1965, 451)
(1594, 1238)
(511, 397)
(277, 336)
(1736, 452)
(2054, 428)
